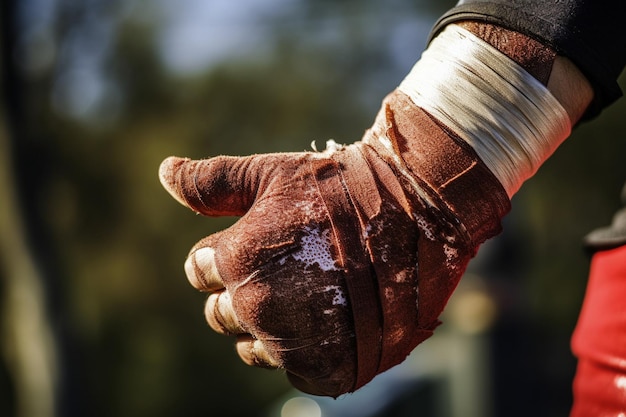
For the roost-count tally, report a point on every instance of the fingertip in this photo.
(219, 314)
(169, 177)
(253, 353)
(201, 270)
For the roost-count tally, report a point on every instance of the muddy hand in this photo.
(319, 276)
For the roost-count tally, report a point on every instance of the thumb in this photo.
(220, 186)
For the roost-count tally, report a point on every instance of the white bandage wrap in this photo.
(510, 119)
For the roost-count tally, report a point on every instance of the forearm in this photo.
(561, 76)
(487, 86)
(343, 260)
(587, 33)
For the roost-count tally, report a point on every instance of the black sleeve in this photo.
(589, 32)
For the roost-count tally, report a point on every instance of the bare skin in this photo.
(570, 87)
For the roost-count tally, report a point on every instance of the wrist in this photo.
(562, 78)
(510, 119)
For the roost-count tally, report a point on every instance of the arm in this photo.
(587, 33)
(343, 260)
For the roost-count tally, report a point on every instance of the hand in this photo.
(342, 260)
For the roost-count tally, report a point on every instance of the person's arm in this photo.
(563, 79)
(343, 260)
(588, 33)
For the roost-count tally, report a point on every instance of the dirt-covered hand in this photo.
(342, 260)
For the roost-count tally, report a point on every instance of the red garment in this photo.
(599, 340)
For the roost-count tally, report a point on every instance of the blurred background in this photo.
(96, 315)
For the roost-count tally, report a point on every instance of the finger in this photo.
(253, 352)
(220, 315)
(201, 270)
(220, 186)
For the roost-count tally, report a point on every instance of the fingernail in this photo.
(252, 351)
(201, 270)
(220, 315)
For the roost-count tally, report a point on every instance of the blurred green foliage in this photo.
(140, 346)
